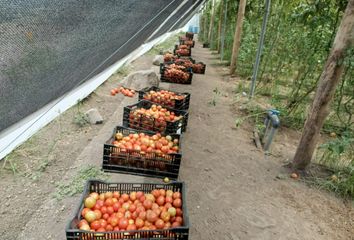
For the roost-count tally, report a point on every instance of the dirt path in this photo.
(233, 192)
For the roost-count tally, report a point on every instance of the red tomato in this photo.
(154, 206)
(82, 222)
(147, 204)
(168, 200)
(179, 212)
(157, 211)
(126, 205)
(177, 203)
(156, 193)
(114, 221)
(131, 227)
(108, 195)
(123, 223)
(84, 211)
(179, 219)
(151, 216)
(142, 199)
(160, 200)
(142, 215)
(165, 216)
(98, 214)
(90, 202)
(119, 215)
(176, 195)
(125, 197)
(105, 216)
(162, 192)
(168, 205)
(132, 196)
(176, 224)
(116, 194)
(103, 209)
(94, 195)
(116, 228)
(139, 223)
(159, 224)
(122, 210)
(109, 228)
(95, 225)
(108, 202)
(103, 223)
(132, 208)
(110, 210)
(116, 206)
(139, 194)
(85, 227)
(101, 229)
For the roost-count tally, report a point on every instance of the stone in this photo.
(157, 60)
(141, 79)
(94, 116)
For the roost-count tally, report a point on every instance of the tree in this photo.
(238, 34)
(211, 25)
(221, 18)
(329, 79)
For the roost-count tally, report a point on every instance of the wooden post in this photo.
(329, 79)
(220, 25)
(238, 34)
(211, 25)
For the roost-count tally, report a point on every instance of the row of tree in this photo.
(310, 42)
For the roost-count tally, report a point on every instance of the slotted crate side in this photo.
(187, 42)
(178, 104)
(196, 71)
(133, 162)
(181, 233)
(151, 124)
(163, 78)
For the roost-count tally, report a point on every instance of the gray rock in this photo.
(157, 60)
(94, 116)
(141, 79)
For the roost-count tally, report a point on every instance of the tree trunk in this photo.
(221, 17)
(329, 79)
(211, 25)
(238, 34)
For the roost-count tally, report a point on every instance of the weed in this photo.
(76, 185)
(80, 118)
(124, 70)
(216, 94)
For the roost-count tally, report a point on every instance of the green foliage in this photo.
(298, 41)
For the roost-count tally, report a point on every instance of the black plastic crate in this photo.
(187, 42)
(190, 35)
(177, 104)
(197, 70)
(180, 233)
(164, 78)
(206, 45)
(167, 64)
(188, 54)
(143, 122)
(120, 160)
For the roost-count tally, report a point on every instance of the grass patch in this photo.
(76, 185)
(165, 45)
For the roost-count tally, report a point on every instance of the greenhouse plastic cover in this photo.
(49, 47)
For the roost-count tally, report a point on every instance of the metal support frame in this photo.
(260, 48)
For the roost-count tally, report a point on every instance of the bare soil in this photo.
(234, 191)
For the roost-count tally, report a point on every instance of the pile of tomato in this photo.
(163, 97)
(144, 143)
(115, 211)
(154, 118)
(125, 91)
